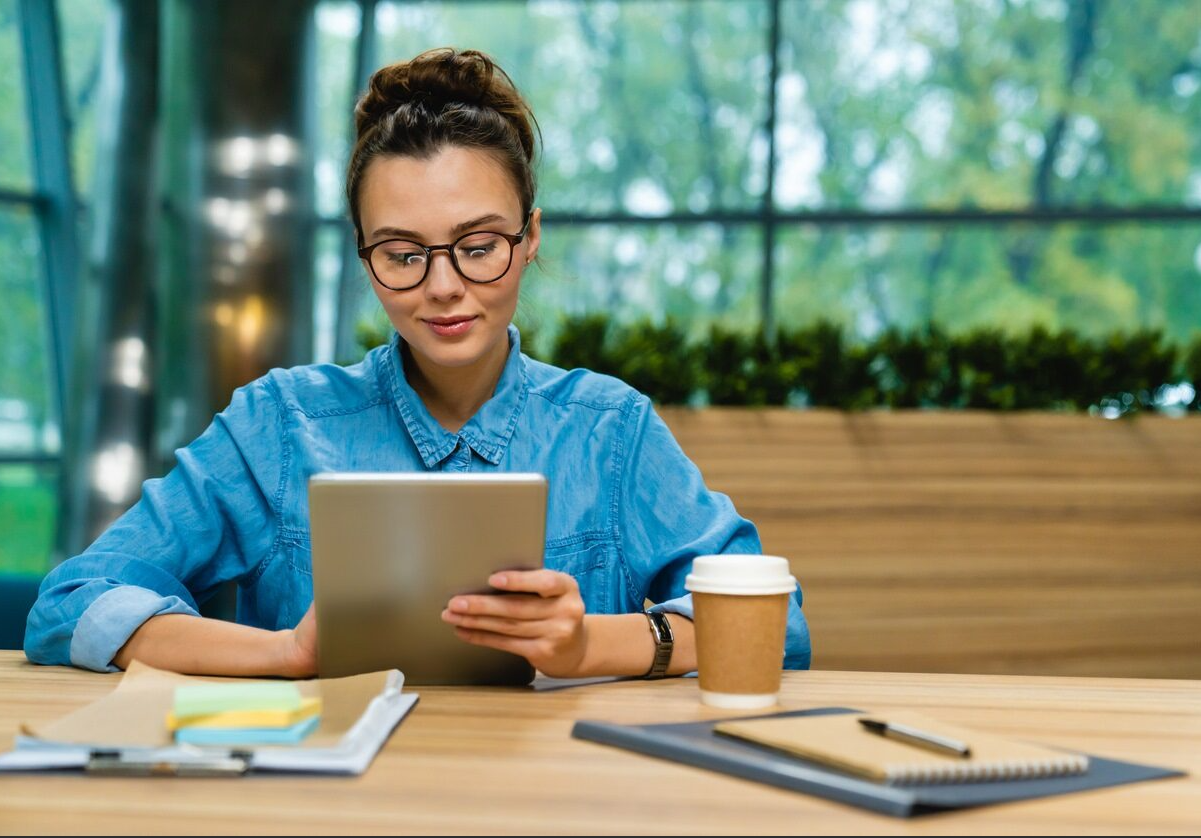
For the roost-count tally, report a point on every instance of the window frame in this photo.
(53, 206)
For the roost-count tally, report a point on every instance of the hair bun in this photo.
(433, 80)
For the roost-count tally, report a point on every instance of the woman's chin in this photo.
(451, 352)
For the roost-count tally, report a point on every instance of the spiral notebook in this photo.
(840, 742)
(696, 744)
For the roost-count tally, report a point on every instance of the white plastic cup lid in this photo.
(740, 575)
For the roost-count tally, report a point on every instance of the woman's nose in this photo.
(443, 281)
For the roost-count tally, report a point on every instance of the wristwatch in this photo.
(664, 641)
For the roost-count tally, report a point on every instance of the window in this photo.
(31, 197)
(977, 163)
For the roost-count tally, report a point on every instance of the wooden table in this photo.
(502, 761)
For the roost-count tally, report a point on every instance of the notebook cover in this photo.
(695, 744)
(840, 742)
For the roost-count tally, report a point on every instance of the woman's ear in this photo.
(533, 235)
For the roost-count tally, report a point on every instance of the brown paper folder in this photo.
(840, 742)
(358, 714)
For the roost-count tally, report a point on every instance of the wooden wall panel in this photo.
(974, 542)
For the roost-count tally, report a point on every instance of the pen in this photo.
(921, 738)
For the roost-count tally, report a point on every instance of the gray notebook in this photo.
(696, 744)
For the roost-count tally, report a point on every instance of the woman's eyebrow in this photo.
(454, 231)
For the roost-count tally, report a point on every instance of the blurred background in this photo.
(172, 219)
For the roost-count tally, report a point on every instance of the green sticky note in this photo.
(203, 699)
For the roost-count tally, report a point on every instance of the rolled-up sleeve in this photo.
(668, 516)
(208, 521)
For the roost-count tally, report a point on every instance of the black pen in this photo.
(921, 738)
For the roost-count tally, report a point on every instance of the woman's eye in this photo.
(406, 259)
(478, 246)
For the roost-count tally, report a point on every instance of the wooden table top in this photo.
(502, 761)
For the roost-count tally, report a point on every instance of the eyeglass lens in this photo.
(482, 257)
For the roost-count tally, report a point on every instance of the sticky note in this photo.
(206, 699)
(248, 718)
(248, 735)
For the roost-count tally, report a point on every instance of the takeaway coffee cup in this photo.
(740, 610)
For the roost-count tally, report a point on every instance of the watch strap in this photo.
(664, 642)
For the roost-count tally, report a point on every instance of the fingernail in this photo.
(498, 580)
(459, 604)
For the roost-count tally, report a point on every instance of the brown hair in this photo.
(443, 97)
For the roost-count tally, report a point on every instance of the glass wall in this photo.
(975, 163)
(29, 407)
(16, 166)
(82, 25)
(957, 104)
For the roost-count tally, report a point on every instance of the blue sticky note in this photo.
(290, 735)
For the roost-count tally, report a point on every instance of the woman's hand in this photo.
(540, 617)
(299, 647)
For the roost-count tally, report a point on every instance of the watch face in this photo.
(660, 627)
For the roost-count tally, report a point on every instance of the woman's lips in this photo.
(449, 327)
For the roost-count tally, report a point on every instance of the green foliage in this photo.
(818, 366)
(1191, 368)
(982, 363)
(583, 342)
(913, 368)
(27, 515)
(1129, 369)
(741, 369)
(1053, 370)
(825, 370)
(656, 360)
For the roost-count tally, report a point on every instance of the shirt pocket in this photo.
(591, 559)
(285, 590)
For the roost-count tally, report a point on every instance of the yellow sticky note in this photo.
(248, 718)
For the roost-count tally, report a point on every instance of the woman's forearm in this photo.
(622, 644)
(201, 646)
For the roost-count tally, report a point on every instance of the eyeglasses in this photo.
(480, 257)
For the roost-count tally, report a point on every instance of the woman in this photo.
(441, 191)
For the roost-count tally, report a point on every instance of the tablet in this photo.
(391, 549)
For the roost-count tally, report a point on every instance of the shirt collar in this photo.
(487, 432)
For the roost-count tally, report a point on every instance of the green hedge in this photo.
(818, 366)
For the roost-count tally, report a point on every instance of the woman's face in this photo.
(447, 320)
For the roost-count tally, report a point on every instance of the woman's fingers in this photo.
(530, 595)
(525, 647)
(496, 625)
(544, 583)
(540, 617)
(510, 606)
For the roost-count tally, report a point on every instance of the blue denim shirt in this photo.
(626, 509)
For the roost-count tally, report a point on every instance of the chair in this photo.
(17, 595)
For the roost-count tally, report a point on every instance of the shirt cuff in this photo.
(111, 620)
(680, 605)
